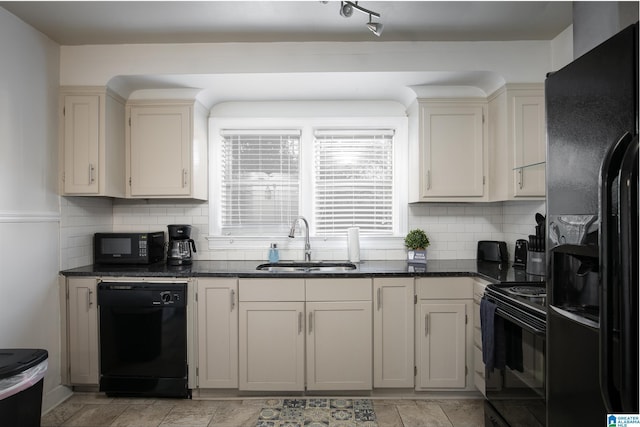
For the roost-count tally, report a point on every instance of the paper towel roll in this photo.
(353, 244)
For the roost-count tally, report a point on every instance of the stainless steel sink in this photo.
(307, 267)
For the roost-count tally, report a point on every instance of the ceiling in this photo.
(117, 22)
(130, 22)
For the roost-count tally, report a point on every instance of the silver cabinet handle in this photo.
(429, 179)
(233, 299)
(310, 322)
(379, 298)
(520, 178)
(299, 322)
(89, 302)
(426, 324)
(184, 178)
(92, 178)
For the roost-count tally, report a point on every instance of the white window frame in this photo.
(307, 126)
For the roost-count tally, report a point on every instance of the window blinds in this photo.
(353, 182)
(260, 180)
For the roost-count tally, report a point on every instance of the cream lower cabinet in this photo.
(444, 334)
(393, 332)
(478, 364)
(339, 340)
(272, 335)
(217, 323)
(82, 333)
(297, 333)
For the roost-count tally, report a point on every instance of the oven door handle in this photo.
(519, 322)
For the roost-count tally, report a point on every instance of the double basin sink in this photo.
(307, 267)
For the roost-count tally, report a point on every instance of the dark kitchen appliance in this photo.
(520, 254)
(180, 245)
(592, 234)
(128, 248)
(491, 250)
(143, 339)
(515, 375)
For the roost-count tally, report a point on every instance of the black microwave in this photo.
(128, 248)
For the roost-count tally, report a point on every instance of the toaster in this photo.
(492, 251)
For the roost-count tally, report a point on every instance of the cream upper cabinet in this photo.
(82, 333)
(166, 149)
(393, 350)
(452, 146)
(339, 334)
(92, 148)
(272, 335)
(444, 334)
(518, 142)
(217, 308)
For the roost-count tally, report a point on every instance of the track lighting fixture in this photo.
(346, 10)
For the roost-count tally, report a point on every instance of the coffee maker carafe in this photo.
(180, 245)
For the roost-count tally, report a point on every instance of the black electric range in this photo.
(516, 391)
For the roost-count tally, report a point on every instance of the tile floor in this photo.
(94, 410)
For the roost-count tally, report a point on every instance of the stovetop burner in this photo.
(528, 291)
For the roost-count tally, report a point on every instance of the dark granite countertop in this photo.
(246, 269)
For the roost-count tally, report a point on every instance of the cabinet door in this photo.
(453, 151)
(272, 346)
(160, 150)
(217, 333)
(81, 143)
(441, 344)
(339, 342)
(83, 331)
(393, 351)
(529, 145)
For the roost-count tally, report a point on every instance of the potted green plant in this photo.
(416, 242)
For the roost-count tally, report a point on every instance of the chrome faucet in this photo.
(307, 245)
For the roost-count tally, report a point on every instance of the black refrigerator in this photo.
(592, 235)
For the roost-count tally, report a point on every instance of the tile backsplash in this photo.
(453, 228)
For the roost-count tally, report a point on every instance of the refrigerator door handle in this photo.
(628, 228)
(608, 247)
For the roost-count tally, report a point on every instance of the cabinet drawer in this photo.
(445, 288)
(339, 289)
(271, 289)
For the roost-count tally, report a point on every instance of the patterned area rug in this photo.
(317, 413)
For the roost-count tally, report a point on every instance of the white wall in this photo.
(29, 205)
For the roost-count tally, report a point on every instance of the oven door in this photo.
(517, 392)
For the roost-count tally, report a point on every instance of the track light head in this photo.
(375, 27)
(346, 9)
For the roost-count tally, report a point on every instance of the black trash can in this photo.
(21, 379)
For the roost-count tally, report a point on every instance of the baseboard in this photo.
(55, 397)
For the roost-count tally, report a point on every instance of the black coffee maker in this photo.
(180, 245)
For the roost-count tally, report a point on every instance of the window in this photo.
(260, 180)
(336, 171)
(353, 186)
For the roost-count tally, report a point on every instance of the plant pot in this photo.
(417, 257)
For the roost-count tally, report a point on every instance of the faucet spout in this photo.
(307, 244)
